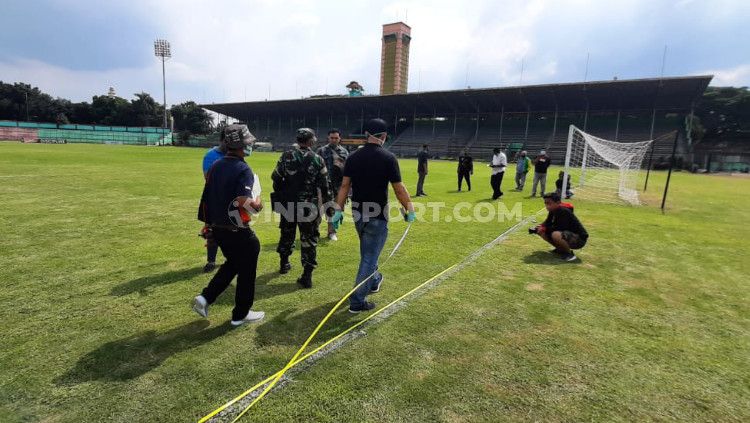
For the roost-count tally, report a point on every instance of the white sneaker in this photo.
(333, 237)
(252, 316)
(200, 306)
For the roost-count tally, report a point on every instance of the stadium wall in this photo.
(90, 134)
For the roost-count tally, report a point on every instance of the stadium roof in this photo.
(677, 93)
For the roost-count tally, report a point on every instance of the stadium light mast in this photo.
(163, 51)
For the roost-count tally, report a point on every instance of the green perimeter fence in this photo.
(91, 134)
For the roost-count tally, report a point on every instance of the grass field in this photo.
(102, 259)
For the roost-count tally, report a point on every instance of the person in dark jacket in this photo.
(562, 228)
(465, 169)
(422, 169)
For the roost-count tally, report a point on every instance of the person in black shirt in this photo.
(227, 198)
(562, 228)
(422, 169)
(465, 169)
(541, 163)
(368, 172)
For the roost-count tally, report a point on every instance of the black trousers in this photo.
(461, 177)
(495, 181)
(241, 249)
(420, 184)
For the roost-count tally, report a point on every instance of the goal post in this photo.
(605, 170)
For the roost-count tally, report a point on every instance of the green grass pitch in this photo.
(101, 259)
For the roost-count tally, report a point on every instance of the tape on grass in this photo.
(254, 394)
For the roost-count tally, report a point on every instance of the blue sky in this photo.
(246, 50)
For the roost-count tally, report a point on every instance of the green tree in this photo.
(190, 117)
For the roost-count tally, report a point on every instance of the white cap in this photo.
(542, 152)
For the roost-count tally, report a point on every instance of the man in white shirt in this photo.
(498, 164)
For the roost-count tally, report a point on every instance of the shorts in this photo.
(573, 239)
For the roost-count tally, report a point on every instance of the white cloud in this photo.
(738, 76)
(233, 51)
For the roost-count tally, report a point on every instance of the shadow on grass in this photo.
(136, 355)
(262, 288)
(166, 278)
(292, 328)
(545, 257)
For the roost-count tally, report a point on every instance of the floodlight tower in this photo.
(164, 52)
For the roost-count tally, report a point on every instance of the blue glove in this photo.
(337, 218)
(410, 217)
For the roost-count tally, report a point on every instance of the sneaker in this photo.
(377, 287)
(568, 257)
(252, 316)
(366, 306)
(555, 251)
(209, 267)
(333, 237)
(200, 306)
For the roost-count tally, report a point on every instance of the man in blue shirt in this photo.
(227, 198)
(212, 156)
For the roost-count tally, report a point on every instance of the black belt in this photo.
(227, 227)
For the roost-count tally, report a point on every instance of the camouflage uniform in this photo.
(314, 182)
(334, 157)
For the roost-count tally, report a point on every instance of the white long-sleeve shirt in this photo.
(499, 159)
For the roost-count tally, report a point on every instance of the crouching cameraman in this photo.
(562, 228)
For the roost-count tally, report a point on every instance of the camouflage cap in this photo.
(237, 136)
(306, 134)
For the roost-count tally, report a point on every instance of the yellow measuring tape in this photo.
(297, 359)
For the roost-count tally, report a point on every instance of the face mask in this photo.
(248, 150)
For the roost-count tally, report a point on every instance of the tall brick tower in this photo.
(394, 59)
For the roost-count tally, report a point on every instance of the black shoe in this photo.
(209, 267)
(569, 256)
(305, 281)
(367, 306)
(285, 266)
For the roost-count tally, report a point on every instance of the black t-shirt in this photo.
(563, 219)
(465, 164)
(228, 179)
(541, 165)
(422, 157)
(371, 169)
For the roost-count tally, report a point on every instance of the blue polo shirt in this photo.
(211, 157)
(230, 178)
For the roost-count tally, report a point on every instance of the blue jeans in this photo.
(372, 236)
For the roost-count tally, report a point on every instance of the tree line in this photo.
(22, 102)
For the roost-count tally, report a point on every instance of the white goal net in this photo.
(602, 170)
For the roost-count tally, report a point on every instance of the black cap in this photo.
(376, 126)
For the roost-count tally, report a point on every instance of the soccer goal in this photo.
(602, 170)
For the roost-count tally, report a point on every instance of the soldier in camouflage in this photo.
(300, 181)
(334, 156)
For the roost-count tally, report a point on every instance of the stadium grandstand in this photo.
(531, 118)
(91, 134)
